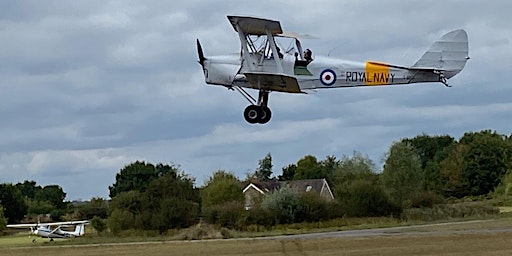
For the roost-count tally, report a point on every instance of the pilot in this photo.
(279, 54)
(307, 55)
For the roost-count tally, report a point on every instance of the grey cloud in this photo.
(89, 87)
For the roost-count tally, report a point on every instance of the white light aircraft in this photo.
(54, 229)
(295, 71)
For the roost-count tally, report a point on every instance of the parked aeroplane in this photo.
(54, 230)
(296, 71)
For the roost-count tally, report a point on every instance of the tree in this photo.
(222, 199)
(486, 161)
(12, 199)
(53, 194)
(172, 202)
(3, 221)
(222, 187)
(452, 170)
(309, 168)
(39, 207)
(284, 205)
(315, 208)
(402, 176)
(288, 173)
(28, 189)
(503, 191)
(366, 199)
(328, 166)
(431, 150)
(168, 201)
(98, 224)
(428, 146)
(96, 207)
(264, 170)
(351, 170)
(137, 176)
(125, 211)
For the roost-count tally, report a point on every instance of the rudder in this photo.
(79, 230)
(449, 54)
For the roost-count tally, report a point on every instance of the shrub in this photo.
(228, 215)
(313, 208)
(451, 211)
(259, 216)
(284, 204)
(426, 199)
(366, 199)
(98, 224)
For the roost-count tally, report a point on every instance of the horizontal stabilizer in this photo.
(386, 65)
(273, 82)
(449, 54)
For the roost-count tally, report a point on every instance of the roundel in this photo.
(328, 77)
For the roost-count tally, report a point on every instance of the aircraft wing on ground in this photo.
(273, 82)
(33, 225)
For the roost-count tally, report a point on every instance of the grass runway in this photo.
(478, 238)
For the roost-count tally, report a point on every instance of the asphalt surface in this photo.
(413, 230)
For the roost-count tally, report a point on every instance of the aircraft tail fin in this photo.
(79, 230)
(449, 54)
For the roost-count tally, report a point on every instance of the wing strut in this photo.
(246, 95)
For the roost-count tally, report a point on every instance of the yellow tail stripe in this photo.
(377, 74)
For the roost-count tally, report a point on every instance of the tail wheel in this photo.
(253, 113)
(266, 115)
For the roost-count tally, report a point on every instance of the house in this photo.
(255, 189)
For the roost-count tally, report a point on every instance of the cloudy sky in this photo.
(87, 87)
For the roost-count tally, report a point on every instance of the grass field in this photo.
(478, 238)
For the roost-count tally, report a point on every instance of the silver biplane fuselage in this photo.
(257, 67)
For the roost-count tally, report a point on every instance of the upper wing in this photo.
(255, 26)
(22, 225)
(49, 224)
(273, 82)
(77, 222)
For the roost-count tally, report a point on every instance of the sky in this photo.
(88, 87)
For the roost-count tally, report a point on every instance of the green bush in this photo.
(98, 224)
(258, 217)
(228, 215)
(450, 211)
(284, 204)
(367, 199)
(3, 221)
(426, 199)
(313, 208)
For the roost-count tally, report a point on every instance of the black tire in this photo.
(252, 114)
(266, 115)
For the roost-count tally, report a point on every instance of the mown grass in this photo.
(206, 231)
(469, 244)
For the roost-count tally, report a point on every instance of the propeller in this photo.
(200, 53)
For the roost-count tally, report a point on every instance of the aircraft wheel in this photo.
(266, 115)
(252, 114)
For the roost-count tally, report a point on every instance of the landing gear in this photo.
(255, 114)
(258, 112)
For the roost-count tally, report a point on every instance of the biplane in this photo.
(266, 66)
(55, 229)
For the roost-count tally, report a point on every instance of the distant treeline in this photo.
(424, 172)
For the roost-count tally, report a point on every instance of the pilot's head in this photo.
(307, 54)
